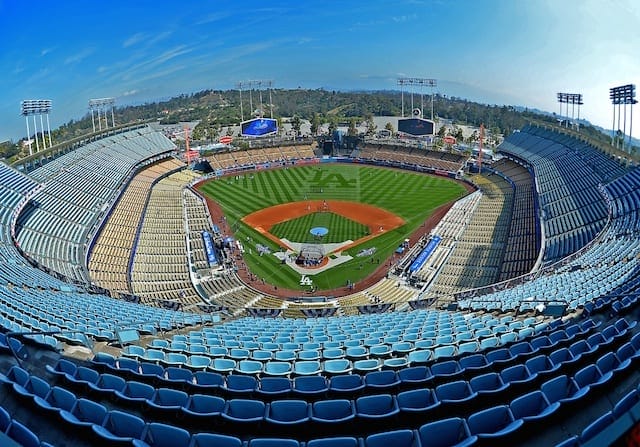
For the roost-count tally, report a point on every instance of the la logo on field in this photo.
(305, 281)
(333, 179)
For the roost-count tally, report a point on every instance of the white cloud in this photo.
(79, 56)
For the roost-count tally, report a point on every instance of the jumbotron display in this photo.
(417, 127)
(259, 127)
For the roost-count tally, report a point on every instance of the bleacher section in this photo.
(160, 269)
(78, 188)
(568, 172)
(32, 301)
(444, 161)
(111, 253)
(523, 245)
(247, 158)
(477, 254)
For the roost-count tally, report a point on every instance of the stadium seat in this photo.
(214, 440)
(136, 392)
(381, 381)
(446, 432)
(56, 399)
(494, 423)
(347, 384)
(532, 406)
(120, 427)
(310, 387)
(396, 437)
(163, 435)
(335, 415)
(85, 413)
(203, 407)
(345, 441)
(337, 366)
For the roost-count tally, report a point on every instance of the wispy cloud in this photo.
(146, 38)
(404, 18)
(213, 17)
(133, 40)
(79, 56)
(129, 93)
(46, 51)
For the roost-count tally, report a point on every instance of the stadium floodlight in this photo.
(102, 104)
(573, 99)
(34, 107)
(421, 82)
(622, 96)
(255, 85)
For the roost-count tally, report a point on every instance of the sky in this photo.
(514, 52)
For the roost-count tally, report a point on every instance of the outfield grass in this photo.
(411, 196)
(340, 228)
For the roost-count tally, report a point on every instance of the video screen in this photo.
(259, 127)
(415, 126)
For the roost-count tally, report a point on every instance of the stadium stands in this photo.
(496, 371)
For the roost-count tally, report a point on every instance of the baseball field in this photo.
(375, 208)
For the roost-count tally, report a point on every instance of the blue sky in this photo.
(519, 52)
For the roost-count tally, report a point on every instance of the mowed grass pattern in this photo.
(340, 228)
(410, 195)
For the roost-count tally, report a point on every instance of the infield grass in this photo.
(410, 195)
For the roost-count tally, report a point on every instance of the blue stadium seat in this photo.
(532, 406)
(446, 370)
(249, 367)
(397, 438)
(416, 405)
(542, 366)
(474, 364)
(35, 386)
(563, 389)
(364, 366)
(5, 420)
(120, 427)
(107, 384)
(136, 392)
(222, 365)
(277, 368)
(487, 386)
(167, 401)
(310, 387)
(22, 435)
(62, 367)
(214, 440)
(84, 376)
(239, 385)
(163, 435)
(420, 357)
(16, 375)
(288, 413)
(347, 384)
(307, 368)
(446, 432)
(344, 441)
(335, 415)
(203, 407)
(414, 375)
(590, 377)
(85, 413)
(596, 427)
(57, 399)
(337, 366)
(494, 424)
(381, 381)
(273, 442)
(244, 414)
(456, 394)
(376, 409)
(272, 387)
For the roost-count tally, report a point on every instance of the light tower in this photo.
(102, 105)
(622, 96)
(33, 107)
(421, 82)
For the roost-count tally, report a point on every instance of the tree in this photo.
(371, 126)
(352, 131)
(295, 124)
(389, 127)
(442, 131)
